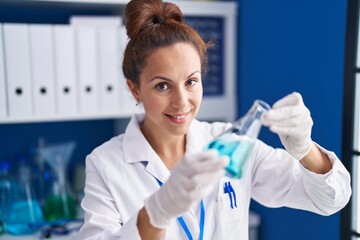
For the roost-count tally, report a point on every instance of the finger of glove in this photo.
(285, 112)
(297, 132)
(205, 184)
(185, 198)
(198, 157)
(296, 122)
(207, 165)
(205, 178)
(292, 99)
(176, 181)
(194, 181)
(181, 183)
(172, 205)
(177, 195)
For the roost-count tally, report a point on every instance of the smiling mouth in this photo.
(178, 118)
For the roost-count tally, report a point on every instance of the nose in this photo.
(180, 98)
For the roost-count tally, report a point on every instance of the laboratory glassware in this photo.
(60, 204)
(6, 192)
(237, 142)
(25, 215)
(42, 173)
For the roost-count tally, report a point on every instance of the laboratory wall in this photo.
(287, 46)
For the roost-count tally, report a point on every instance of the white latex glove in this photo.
(190, 181)
(291, 120)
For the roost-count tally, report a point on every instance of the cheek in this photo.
(154, 103)
(198, 95)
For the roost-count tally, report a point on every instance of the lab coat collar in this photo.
(137, 149)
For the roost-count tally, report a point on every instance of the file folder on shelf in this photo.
(95, 20)
(18, 69)
(3, 105)
(110, 69)
(86, 45)
(66, 75)
(42, 62)
(109, 60)
(128, 99)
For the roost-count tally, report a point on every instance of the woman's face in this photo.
(170, 89)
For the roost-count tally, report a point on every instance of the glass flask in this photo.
(59, 204)
(25, 214)
(238, 141)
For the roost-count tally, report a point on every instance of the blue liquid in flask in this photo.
(238, 141)
(25, 217)
(237, 150)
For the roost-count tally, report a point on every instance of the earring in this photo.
(138, 103)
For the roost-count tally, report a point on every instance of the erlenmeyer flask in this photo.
(25, 214)
(60, 204)
(237, 142)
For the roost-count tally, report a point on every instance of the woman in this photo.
(156, 182)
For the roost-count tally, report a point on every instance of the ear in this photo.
(134, 90)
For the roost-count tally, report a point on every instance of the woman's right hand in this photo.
(193, 178)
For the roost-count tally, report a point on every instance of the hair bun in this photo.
(140, 14)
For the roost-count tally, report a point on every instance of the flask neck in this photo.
(250, 124)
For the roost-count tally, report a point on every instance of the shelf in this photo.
(36, 236)
(55, 118)
(214, 8)
(224, 99)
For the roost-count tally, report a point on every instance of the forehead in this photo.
(179, 56)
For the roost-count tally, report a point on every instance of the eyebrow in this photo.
(168, 79)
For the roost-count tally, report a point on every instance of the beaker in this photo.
(238, 141)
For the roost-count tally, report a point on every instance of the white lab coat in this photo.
(121, 173)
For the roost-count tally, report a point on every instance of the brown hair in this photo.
(152, 24)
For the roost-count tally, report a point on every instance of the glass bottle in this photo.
(6, 192)
(25, 214)
(238, 141)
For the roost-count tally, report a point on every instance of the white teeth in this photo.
(178, 117)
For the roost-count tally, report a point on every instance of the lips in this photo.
(178, 118)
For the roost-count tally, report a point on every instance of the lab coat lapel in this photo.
(137, 149)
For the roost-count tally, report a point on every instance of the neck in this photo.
(168, 147)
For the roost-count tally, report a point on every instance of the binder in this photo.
(65, 68)
(17, 68)
(95, 20)
(3, 104)
(109, 59)
(86, 45)
(128, 99)
(109, 69)
(42, 62)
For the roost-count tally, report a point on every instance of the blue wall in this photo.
(287, 46)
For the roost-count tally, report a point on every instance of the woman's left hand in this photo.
(291, 120)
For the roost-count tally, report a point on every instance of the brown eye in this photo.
(162, 86)
(191, 82)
